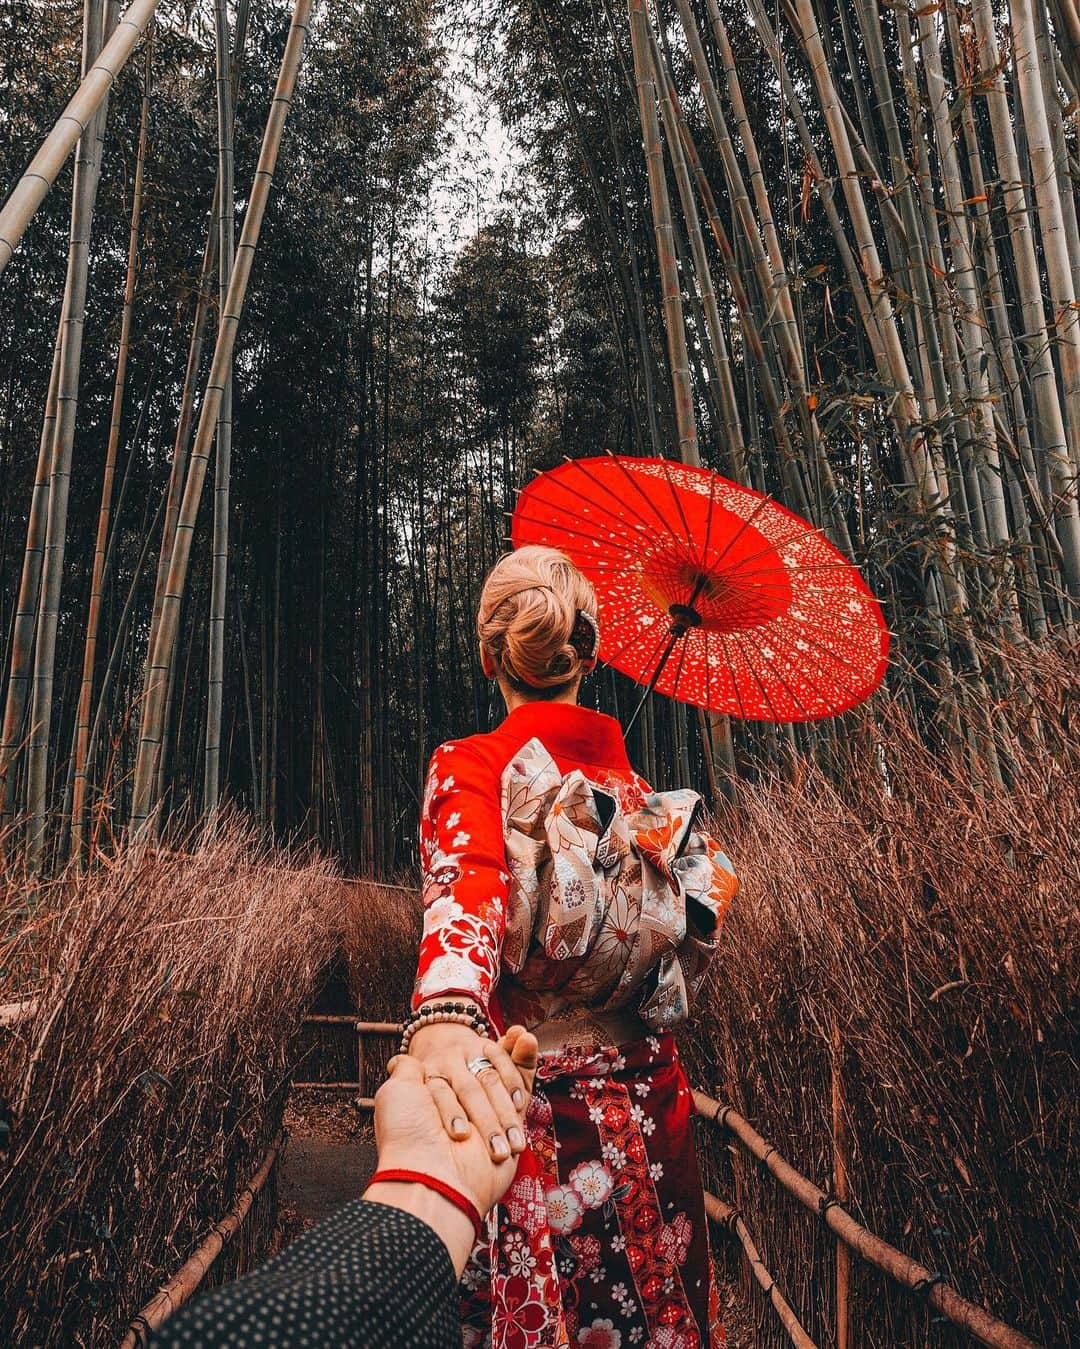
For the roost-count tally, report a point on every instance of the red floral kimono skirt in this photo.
(601, 1240)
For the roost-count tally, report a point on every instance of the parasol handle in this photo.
(683, 618)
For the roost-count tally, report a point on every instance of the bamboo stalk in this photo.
(1030, 513)
(925, 470)
(152, 729)
(181, 441)
(30, 191)
(902, 1268)
(627, 278)
(988, 484)
(83, 199)
(82, 724)
(766, 252)
(22, 639)
(191, 1273)
(771, 271)
(674, 323)
(723, 1215)
(1066, 14)
(22, 645)
(222, 463)
(719, 363)
(1052, 228)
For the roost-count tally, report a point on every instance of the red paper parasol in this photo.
(710, 592)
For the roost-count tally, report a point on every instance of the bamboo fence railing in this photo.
(723, 1215)
(909, 1273)
(363, 1028)
(191, 1273)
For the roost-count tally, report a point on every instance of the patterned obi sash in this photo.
(607, 910)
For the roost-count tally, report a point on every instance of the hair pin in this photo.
(592, 622)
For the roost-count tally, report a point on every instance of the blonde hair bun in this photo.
(537, 620)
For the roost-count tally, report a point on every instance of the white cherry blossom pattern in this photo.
(592, 1182)
(520, 1257)
(525, 1204)
(564, 1208)
(600, 1335)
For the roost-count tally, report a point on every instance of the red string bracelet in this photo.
(440, 1187)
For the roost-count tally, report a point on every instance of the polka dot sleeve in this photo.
(368, 1275)
(465, 879)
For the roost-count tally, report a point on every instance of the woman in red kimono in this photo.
(561, 892)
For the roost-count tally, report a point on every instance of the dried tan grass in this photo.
(382, 937)
(152, 1071)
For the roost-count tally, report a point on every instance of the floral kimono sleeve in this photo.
(465, 879)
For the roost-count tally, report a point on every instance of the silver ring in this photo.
(479, 1065)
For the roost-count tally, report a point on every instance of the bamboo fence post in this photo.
(840, 1187)
(164, 643)
(725, 1216)
(977, 1321)
(82, 725)
(29, 192)
(222, 462)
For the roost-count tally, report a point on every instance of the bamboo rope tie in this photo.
(930, 1285)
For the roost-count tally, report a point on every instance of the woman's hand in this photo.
(492, 1101)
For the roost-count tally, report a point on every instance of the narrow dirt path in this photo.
(328, 1159)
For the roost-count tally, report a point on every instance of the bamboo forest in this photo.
(297, 298)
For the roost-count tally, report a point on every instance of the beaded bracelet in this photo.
(443, 1013)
